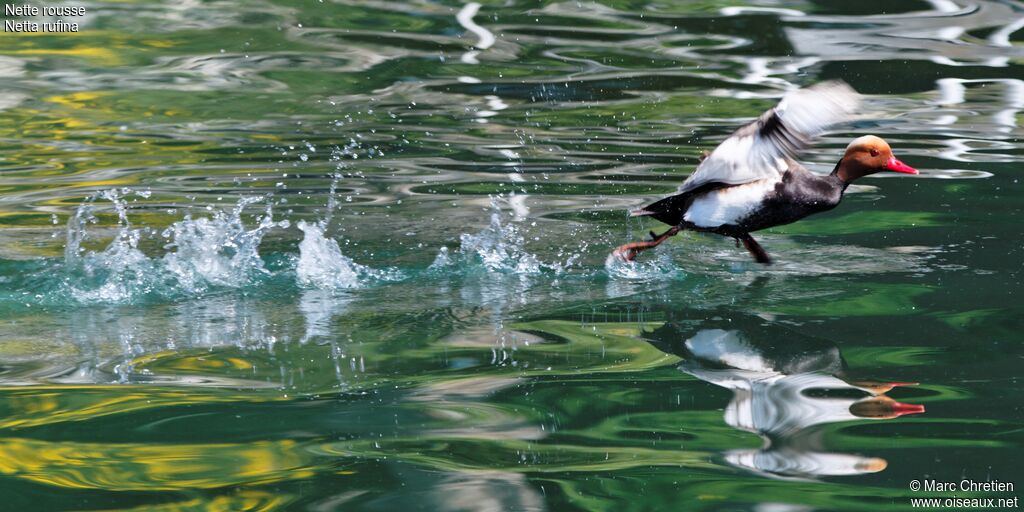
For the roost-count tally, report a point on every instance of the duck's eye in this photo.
(874, 152)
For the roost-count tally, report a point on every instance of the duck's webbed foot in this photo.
(628, 252)
(758, 252)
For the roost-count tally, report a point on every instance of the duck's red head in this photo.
(868, 155)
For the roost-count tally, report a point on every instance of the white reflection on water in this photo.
(482, 490)
(485, 38)
(936, 35)
(953, 91)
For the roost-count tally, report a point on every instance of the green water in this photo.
(326, 255)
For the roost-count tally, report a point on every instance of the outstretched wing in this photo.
(761, 149)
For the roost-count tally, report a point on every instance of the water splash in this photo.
(500, 248)
(115, 274)
(322, 265)
(218, 251)
(441, 261)
(654, 267)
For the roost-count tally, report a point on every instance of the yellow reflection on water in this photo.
(103, 55)
(43, 405)
(246, 499)
(152, 467)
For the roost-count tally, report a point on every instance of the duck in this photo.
(753, 181)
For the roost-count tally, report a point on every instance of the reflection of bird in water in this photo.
(752, 180)
(784, 386)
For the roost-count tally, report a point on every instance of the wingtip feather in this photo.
(812, 109)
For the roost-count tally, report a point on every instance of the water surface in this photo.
(352, 255)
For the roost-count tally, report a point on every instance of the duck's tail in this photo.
(669, 210)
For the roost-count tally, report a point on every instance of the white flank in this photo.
(729, 205)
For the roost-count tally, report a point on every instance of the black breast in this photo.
(799, 194)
